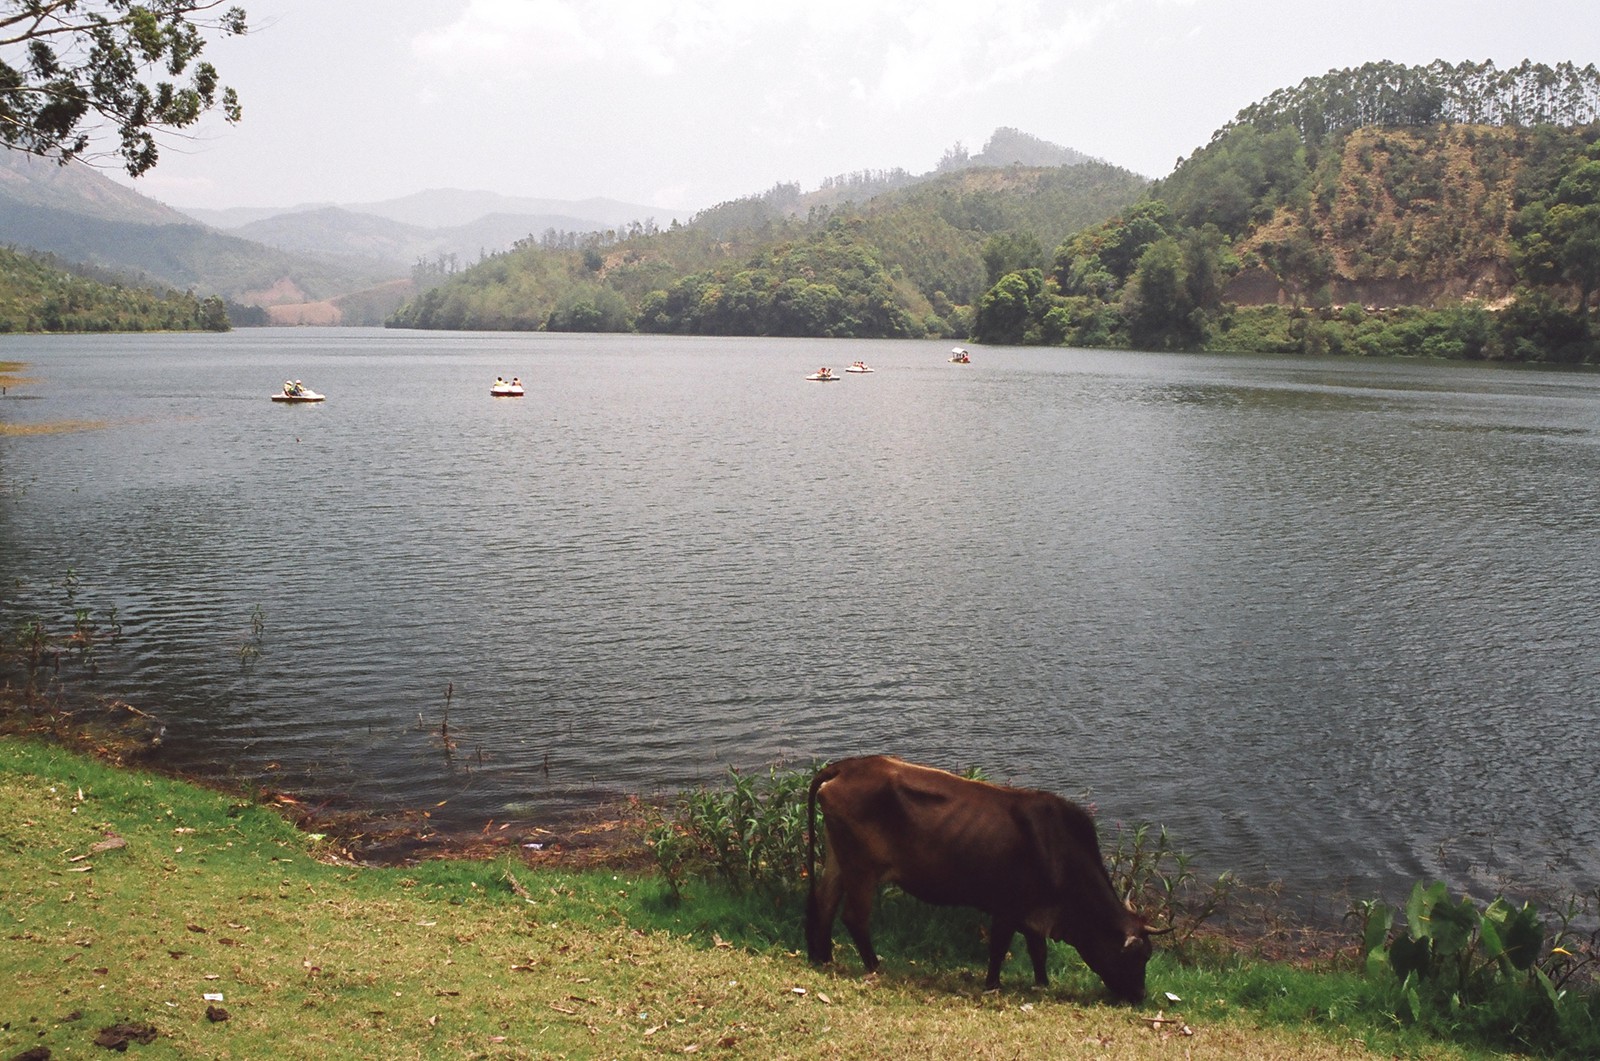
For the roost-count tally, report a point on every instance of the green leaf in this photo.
(1411, 957)
(1547, 986)
(1489, 941)
(1419, 908)
(1410, 1008)
(1524, 936)
(1379, 921)
(1453, 925)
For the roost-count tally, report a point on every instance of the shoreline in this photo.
(1257, 921)
(608, 834)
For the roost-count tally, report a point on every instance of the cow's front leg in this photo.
(1000, 933)
(1037, 952)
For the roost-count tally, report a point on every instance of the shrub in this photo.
(750, 834)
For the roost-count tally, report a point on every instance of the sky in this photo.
(682, 104)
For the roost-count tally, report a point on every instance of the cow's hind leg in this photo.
(857, 917)
(822, 905)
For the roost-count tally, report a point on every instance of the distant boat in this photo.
(823, 375)
(503, 389)
(959, 356)
(295, 391)
(858, 366)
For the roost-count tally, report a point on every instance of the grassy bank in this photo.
(190, 923)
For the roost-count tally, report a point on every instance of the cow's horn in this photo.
(1161, 931)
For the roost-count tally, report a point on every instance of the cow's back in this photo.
(942, 838)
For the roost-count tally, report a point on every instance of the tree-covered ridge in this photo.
(40, 294)
(1336, 218)
(909, 262)
(1391, 94)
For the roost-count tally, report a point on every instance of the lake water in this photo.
(1334, 622)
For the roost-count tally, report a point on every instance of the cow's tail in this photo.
(819, 936)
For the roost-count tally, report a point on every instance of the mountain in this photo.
(869, 255)
(337, 230)
(439, 223)
(445, 208)
(79, 215)
(452, 208)
(1013, 147)
(1441, 211)
(27, 181)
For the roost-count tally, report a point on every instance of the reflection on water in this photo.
(1326, 620)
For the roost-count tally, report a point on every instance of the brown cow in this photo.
(1029, 859)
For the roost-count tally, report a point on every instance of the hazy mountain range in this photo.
(428, 224)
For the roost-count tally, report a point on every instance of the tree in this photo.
(1011, 252)
(1006, 309)
(1157, 303)
(70, 66)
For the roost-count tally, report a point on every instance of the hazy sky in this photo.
(686, 103)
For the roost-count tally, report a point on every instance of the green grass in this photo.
(210, 894)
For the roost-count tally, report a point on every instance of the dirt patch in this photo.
(118, 1036)
(610, 835)
(300, 314)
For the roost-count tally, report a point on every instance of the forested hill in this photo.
(1443, 210)
(39, 293)
(1439, 210)
(870, 254)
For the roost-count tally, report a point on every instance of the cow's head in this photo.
(1119, 958)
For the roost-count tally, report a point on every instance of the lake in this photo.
(1331, 622)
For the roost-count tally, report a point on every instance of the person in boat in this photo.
(288, 387)
(499, 381)
(516, 381)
